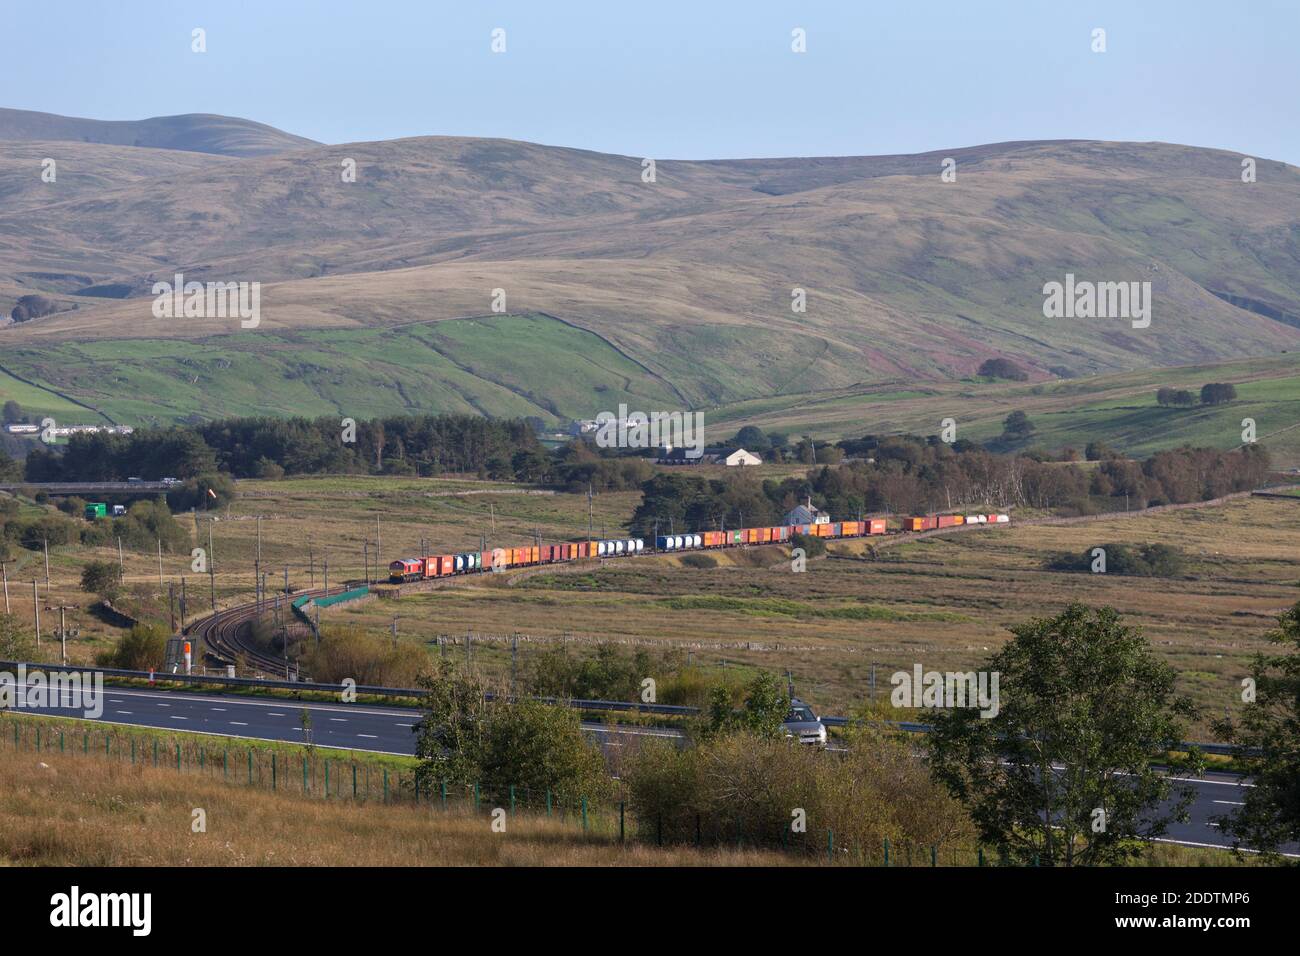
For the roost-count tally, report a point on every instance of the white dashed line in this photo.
(236, 723)
(371, 736)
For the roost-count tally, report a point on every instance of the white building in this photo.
(806, 514)
(740, 458)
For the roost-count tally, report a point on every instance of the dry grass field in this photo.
(76, 810)
(945, 601)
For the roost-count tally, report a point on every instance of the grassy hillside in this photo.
(502, 366)
(194, 132)
(907, 278)
(1119, 409)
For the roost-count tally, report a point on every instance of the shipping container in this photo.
(877, 526)
(96, 510)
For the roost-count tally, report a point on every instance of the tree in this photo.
(16, 643)
(1003, 368)
(751, 438)
(762, 713)
(1216, 393)
(1270, 726)
(143, 648)
(1061, 773)
(12, 412)
(1017, 426)
(103, 578)
(1098, 451)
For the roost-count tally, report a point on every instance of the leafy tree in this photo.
(762, 712)
(1017, 426)
(12, 412)
(103, 578)
(1097, 451)
(752, 438)
(10, 470)
(1216, 393)
(1061, 773)
(466, 738)
(1003, 368)
(1270, 725)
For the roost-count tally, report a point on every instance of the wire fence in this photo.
(317, 774)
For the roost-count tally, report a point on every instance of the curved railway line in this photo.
(227, 637)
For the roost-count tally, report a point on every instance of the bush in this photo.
(350, 652)
(534, 747)
(812, 545)
(1147, 560)
(1003, 368)
(103, 578)
(16, 643)
(142, 648)
(701, 562)
(740, 786)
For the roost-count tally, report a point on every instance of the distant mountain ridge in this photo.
(190, 132)
(691, 277)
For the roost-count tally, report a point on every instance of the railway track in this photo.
(227, 634)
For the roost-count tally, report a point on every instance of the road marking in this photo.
(112, 701)
(220, 710)
(269, 714)
(164, 705)
(339, 720)
(175, 717)
(406, 725)
(1231, 803)
(121, 712)
(371, 736)
(236, 723)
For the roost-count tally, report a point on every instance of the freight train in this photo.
(498, 559)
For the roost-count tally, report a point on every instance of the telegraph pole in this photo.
(47, 563)
(121, 566)
(160, 574)
(36, 608)
(212, 568)
(4, 570)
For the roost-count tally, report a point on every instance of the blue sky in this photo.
(701, 79)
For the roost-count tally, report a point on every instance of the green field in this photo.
(503, 366)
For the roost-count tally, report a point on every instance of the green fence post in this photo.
(273, 771)
(512, 799)
(85, 743)
(155, 751)
(620, 821)
(107, 740)
(444, 794)
(178, 756)
(1035, 859)
(250, 767)
(38, 739)
(980, 856)
(886, 851)
(132, 751)
(548, 801)
(60, 741)
(225, 762)
(15, 736)
(385, 785)
(584, 814)
(417, 789)
(304, 774)
(202, 754)
(354, 781)
(830, 846)
(327, 778)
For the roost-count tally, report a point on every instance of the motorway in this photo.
(373, 728)
(390, 730)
